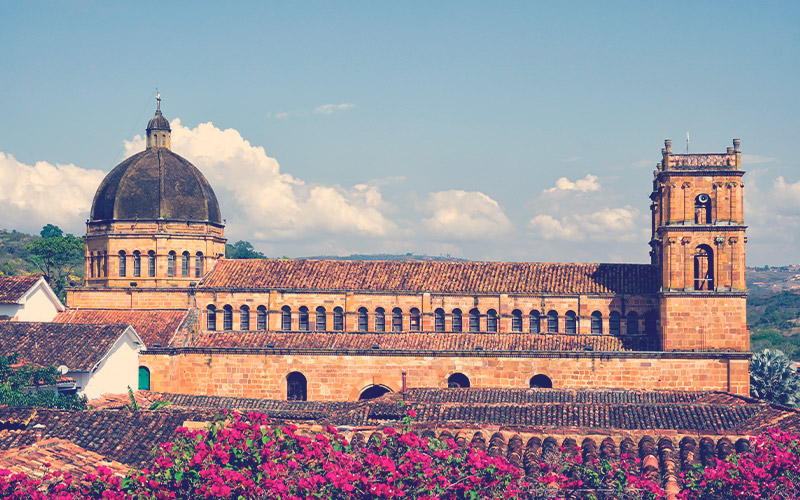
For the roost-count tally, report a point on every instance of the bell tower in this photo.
(698, 246)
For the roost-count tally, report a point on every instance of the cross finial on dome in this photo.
(158, 101)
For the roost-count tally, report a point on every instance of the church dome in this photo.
(158, 122)
(156, 184)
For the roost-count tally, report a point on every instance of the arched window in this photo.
(474, 320)
(438, 320)
(261, 318)
(491, 321)
(151, 264)
(613, 323)
(321, 325)
(185, 264)
(164, 140)
(286, 318)
(552, 322)
(363, 319)
(198, 265)
(171, 265)
(516, 320)
(702, 209)
(541, 382)
(137, 264)
(456, 320)
(597, 322)
(244, 318)
(144, 378)
(338, 319)
(397, 319)
(380, 320)
(458, 380)
(632, 323)
(703, 268)
(373, 391)
(211, 318)
(570, 322)
(535, 322)
(296, 386)
(303, 319)
(123, 265)
(651, 322)
(227, 317)
(414, 320)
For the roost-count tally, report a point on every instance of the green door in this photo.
(144, 378)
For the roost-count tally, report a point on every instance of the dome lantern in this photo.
(158, 131)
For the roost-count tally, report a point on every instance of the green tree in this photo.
(57, 256)
(242, 250)
(773, 378)
(18, 386)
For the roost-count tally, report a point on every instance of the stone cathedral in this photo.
(349, 330)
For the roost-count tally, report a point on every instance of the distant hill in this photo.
(769, 280)
(14, 259)
(386, 256)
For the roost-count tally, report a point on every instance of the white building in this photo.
(99, 359)
(27, 298)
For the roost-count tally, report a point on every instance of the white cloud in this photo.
(618, 224)
(35, 195)
(786, 196)
(464, 215)
(258, 199)
(585, 185)
(327, 109)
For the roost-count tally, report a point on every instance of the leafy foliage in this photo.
(773, 378)
(18, 383)
(57, 256)
(14, 258)
(774, 323)
(242, 250)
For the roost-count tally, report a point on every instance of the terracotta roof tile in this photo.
(426, 276)
(153, 326)
(420, 341)
(62, 455)
(79, 347)
(12, 288)
(127, 437)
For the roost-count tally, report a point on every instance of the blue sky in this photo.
(409, 126)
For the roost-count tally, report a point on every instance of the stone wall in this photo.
(343, 376)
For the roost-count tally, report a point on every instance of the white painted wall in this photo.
(39, 304)
(115, 372)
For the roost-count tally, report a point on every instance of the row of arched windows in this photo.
(297, 386)
(396, 321)
(189, 265)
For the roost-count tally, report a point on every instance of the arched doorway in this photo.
(458, 380)
(296, 387)
(373, 391)
(541, 382)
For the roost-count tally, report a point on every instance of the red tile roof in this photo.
(124, 436)
(426, 276)
(428, 341)
(12, 288)
(61, 455)
(79, 347)
(153, 326)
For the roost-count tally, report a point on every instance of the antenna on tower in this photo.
(687, 142)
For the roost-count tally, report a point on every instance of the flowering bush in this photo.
(244, 458)
(771, 470)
